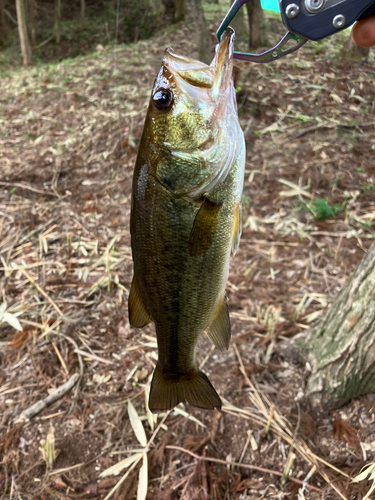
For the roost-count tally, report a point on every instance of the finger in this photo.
(363, 32)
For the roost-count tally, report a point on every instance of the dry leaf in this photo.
(136, 423)
(20, 338)
(12, 320)
(342, 430)
(3, 308)
(151, 417)
(367, 470)
(180, 411)
(336, 98)
(114, 470)
(143, 479)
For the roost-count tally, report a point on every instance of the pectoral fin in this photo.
(236, 229)
(219, 329)
(138, 315)
(204, 228)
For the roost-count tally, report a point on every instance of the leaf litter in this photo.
(70, 133)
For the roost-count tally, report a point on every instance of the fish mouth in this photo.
(215, 76)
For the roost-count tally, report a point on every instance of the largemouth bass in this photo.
(186, 219)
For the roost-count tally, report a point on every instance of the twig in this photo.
(26, 186)
(123, 479)
(291, 448)
(146, 449)
(82, 464)
(244, 466)
(95, 357)
(81, 367)
(31, 279)
(11, 17)
(157, 430)
(61, 359)
(242, 368)
(44, 43)
(51, 398)
(329, 126)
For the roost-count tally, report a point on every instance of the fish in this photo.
(186, 219)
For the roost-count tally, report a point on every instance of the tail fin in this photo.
(195, 388)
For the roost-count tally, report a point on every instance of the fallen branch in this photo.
(244, 466)
(51, 398)
(26, 186)
(44, 43)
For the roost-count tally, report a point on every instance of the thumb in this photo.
(363, 32)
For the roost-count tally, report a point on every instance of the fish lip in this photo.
(222, 64)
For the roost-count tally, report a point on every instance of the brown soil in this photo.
(69, 140)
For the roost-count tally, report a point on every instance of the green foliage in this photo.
(103, 25)
(320, 209)
(244, 200)
(367, 186)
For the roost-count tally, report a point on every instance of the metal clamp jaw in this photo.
(276, 52)
(304, 20)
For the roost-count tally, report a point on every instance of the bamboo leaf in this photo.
(367, 470)
(47, 448)
(12, 321)
(114, 470)
(143, 479)
(313, 316)
(185, 414)
(336, 98)
(150, 416)
(3, 308)
(136, 423)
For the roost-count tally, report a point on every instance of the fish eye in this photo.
(163, 99)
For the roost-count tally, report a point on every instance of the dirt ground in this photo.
(69, 138)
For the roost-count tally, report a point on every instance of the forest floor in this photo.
(69, 139)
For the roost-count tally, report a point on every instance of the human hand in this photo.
(363, 32)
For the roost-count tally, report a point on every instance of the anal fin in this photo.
(138, 315)
(219, 329)
(167, 392)
(236, 229)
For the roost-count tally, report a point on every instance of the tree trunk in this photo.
(179, 12)
(22, 30)
(31, 21)
(341, 348)
(83, 10)
(175, 10)
(57, 21)
(257, 25)
(198, 29)
(3, 29)
(238, 23)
